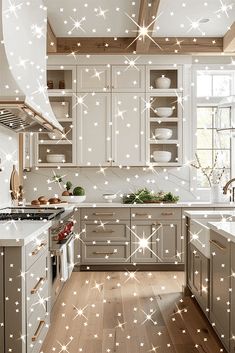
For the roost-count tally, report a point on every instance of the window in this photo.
(213, 146)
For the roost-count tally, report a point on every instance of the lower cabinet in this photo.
(232, 316)
(105, 253)
(220, 286)
(168, 239)
(198, 267)
(143, 242)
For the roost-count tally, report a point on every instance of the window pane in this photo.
(221, 141)
(221, 178)
(221, 85)
(204, 85)
(223, 158)
(204, 117)
(204, 138)
(222, 118)
(205, 157)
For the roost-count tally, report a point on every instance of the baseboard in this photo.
(130, 267)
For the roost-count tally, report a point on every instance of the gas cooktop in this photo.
(30, 213)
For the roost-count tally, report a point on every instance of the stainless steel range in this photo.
(29, 213)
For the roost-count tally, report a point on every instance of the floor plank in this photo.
(127, 312)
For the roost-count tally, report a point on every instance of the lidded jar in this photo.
(163, 82)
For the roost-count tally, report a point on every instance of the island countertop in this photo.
(20, 233)
(226, 229)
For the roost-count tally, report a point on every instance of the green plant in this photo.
(147, 196)
(68, 185)
(169, 197)
(78, 191)
(57, 178)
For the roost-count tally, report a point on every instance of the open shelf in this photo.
(44, 150)
(173, 148)
(174, 73)
(61, 78)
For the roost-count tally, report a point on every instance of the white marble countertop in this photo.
(20, 233)
(209, 214)
(226, 229)
(178, 204)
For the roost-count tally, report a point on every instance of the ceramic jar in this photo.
(163, 82)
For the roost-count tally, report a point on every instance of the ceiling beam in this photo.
(122, 45)
(147, 13)
(229, 40)
(51, 39)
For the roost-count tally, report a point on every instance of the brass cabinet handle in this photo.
(103, 253)
(39, 247)
(196, 256)
(103, 231)
(103, 214)
(218, 245)
(141, 214)
(37, 332)
(167, 213)
(38, 285)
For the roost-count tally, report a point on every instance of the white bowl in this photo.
(163, 82)
(162, 156)
(164, 111)
(55, 158)
(73, 199)
(56, 135)
(163, 134)
(109, 197)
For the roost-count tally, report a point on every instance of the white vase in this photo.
(163, 82)
(215, 193)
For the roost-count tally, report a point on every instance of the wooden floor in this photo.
(100, 312)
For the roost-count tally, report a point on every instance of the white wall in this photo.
(9, 152)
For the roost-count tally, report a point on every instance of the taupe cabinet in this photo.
(25, 281)
(131, 235)
(198, 277)
(219, 286)
(232, 328)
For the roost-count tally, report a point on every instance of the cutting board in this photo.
(14, 183)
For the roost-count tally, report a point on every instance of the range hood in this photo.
(24, 103)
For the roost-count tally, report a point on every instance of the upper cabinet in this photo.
(115, 78)
(61, 79)
(93, 78)
(128, 78)
(164, 78)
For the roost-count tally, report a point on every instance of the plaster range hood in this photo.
(19, 111)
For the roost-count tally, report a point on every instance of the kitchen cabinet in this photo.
(220, 286)
(143, 242)
(1, 300)
(128, 129)
(232, 315)
(198, 268)
(93, 78)
(168, 239)
(94, 130)
(27, 267)
(127, 78)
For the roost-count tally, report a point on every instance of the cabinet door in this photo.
(169, 242)
(94, 130)
(143, 242)
(219, 280)
(126, 78)
(232, 331)
(1, 301)
(128, 132)
(93, 79)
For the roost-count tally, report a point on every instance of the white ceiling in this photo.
(179, 18)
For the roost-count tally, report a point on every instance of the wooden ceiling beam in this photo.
(51, 39)
(108, 45)
(147, 13)
(229, 40)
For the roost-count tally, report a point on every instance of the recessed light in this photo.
(204, 20)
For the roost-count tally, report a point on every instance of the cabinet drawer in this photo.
(108, 231)
(102, 253)
(37, 327)
(155, 213)
(37, 283)
(36, 248)
(105, 213)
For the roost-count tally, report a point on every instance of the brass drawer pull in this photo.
(38, 285)
(218, 245)
(39, 247)
(40, 327)
(141, 214)
(103, 253)
(104, 231)
(103, 214)
(167, 213)
(197, 256)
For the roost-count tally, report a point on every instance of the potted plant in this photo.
(78, 194)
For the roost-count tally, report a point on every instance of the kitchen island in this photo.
(210, 264)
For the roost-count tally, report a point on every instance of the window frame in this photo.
(211, 102)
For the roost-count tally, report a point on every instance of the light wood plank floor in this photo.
(114, 312)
